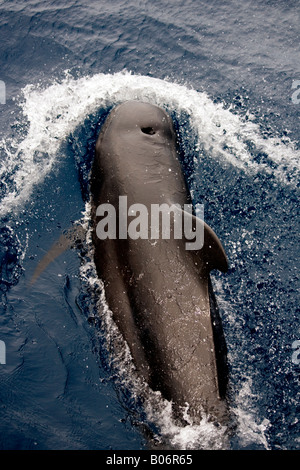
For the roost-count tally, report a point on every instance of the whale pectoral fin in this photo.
(67, 240)
(206, 243)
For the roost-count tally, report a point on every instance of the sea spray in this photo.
(50, 115)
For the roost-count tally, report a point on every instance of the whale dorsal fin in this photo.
(211, 250)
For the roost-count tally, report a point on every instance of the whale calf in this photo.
(158, 290)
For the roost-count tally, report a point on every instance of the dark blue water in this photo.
(227, 73)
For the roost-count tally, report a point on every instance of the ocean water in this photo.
(229, 74)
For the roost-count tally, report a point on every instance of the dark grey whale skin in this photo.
(159, 292)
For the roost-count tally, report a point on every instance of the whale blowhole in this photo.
(148, 130)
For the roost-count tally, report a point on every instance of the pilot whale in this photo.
(158, 290)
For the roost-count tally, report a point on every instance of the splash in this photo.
(50, 115)
(249, 429)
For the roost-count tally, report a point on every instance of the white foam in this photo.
(203, 436)
(249, 429)
(52, 114)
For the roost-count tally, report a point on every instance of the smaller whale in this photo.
(68, 239)
(159, 291)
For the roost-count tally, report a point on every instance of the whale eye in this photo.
(148, 130)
